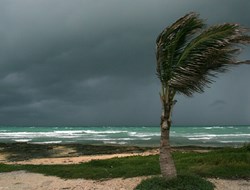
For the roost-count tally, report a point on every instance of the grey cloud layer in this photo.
(92, 62)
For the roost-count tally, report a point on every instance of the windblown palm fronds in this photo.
(189, 55)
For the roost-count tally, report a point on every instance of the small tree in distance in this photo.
(189, 55)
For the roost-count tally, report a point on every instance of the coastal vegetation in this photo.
(189, 55)
(192, 167)
(26, 151)
(187, 182)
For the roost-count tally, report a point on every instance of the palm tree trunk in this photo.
(167, 165)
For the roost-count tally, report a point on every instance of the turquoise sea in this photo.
(127, 135)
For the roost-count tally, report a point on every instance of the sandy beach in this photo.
(74, 160)
(22, 180)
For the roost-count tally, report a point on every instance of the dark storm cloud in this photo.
(93, 62)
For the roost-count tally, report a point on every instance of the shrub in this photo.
(182, 182)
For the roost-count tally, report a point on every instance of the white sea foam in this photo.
(116, 139)
(68, 137)
(109, 142)
(143, 135)
(219, 135)
(200, 138)
(136, 134)
(25, 134)
(132, 139)
(55, 134)
(123, 134)
(232, 141)
(208, 128)
(132, 133)
(69, 132)
(103, 132)
(22, 140)
(126, 139)
(98, 139)
(122, 142)
(47, 142)
(115, 142)
(217, 127)
(145, 139)
(98, 135)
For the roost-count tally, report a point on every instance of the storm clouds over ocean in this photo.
(86, 62)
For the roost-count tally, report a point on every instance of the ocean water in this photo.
(124, 135)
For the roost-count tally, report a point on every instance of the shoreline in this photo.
(15, 152)
(25, 153)
(74, 160)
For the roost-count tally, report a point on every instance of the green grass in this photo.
(97, 169)
(227, 163)
(187, 182)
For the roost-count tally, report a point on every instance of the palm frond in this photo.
(171, 42)
(209, 53)
(243, 62)
(188, 58)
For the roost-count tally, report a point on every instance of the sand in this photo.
(75, 160)
(21, 180)
(222, 184)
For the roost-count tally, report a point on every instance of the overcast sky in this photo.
(92, 62)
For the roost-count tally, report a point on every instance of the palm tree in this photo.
(189, 55)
